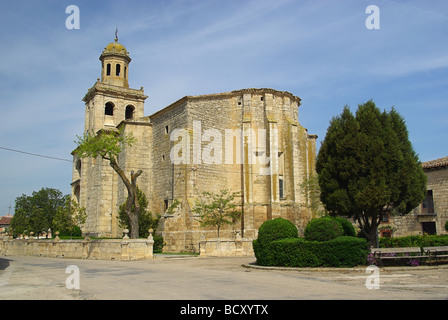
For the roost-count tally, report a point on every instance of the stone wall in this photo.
(438, 183)
(101, 249)
(412, 223)
(206, 121)
(226, 247)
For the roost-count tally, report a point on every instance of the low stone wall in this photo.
(101, 249)
(226, 247)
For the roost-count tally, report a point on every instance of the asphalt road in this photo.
(207, 278)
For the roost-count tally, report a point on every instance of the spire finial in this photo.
(116, 34)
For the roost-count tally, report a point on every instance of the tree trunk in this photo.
(372, 237)
(369, 228)
(131, 187)
(134, 215)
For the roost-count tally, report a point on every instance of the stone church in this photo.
(248, 141)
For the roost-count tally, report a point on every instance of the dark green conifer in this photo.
(367, 167)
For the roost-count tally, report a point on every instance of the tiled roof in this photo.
(441, 162)
(6, 220)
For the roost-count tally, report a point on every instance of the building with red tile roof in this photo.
(5, 221)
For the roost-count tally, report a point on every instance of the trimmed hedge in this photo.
(323, 229)
(347, 226)
(340, 252)
(414, 241)
(276, 229)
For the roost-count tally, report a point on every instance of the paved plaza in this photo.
(207, 278)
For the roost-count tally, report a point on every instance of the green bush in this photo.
(347, 226)
(276, 229)
(158, 244)
(75, 232)
(340, 252)
(323, 229)
(278, 244)
(414, 241)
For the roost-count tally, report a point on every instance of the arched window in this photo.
(78, 167)
(125, 70)
(129, 113)
(108, 69)
(109, 110)
(77, 193)
(117, 69)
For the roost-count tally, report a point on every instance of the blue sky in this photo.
(318, 50)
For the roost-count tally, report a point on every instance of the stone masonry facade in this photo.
(248, 141)
(431, 215)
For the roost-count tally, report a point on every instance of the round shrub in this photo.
(347, 226)
(276, 229)
(323, 229)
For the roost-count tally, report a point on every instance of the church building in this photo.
(248, 141)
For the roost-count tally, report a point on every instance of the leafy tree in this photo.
(146, 220)
(217, 209)
(108, 145)
(35, 213)
(367, 167)
(69, 217)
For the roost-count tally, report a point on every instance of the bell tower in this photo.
(111, 101)
(108, 103)
(115, 64)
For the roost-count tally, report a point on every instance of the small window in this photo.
(386, 234)
(117, 70)
(77, 193)
(167, 129)
(165, 205)
(129, 113)
(281, 188)
(109, 110)
(163, 157)
(125, 71)
(78, 167)
(428, 203)
(108, 69)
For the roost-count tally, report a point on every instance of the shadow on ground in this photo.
(4, 263)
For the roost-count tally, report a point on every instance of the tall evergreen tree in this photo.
(367, 167)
